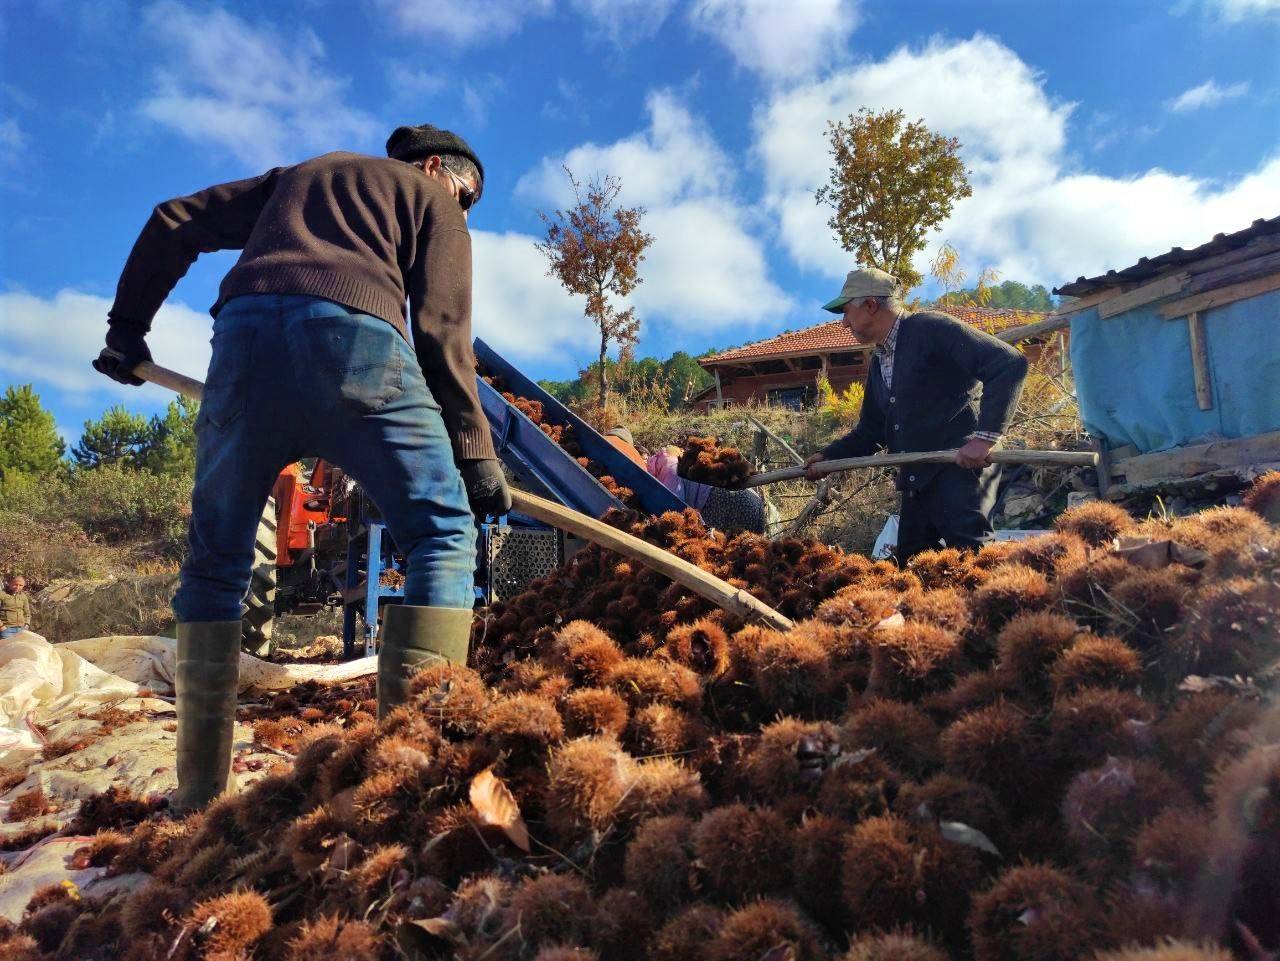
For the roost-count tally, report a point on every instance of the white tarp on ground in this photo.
(51, 862)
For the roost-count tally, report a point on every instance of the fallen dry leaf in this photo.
(496, 807)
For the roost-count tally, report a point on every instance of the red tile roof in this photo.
(832, 337)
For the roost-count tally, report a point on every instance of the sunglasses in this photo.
(466, 196)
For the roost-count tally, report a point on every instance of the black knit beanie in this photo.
(426, 140)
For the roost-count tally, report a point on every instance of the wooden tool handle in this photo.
(1061, 458)
(688, 575)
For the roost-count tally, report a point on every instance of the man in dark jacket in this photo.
(314, 354)
(936, 384)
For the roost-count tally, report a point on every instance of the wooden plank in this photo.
(1104, 465)
(1200, 361)
(1038, 458)
(1027, 331)
(1254, 248)
(719, 392)
(1093, 299)
(796, 458)
(1201, 458)
(1235, 273)
(1146, 294)
(1220, 297)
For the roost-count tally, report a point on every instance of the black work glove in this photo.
(486, 487)
(126, 349)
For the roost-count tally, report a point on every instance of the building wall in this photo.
(1136, 386)
(743, 390)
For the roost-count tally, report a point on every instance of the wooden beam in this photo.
(1104, 465)
(781, 443)
(719, 392)
(1027, 331)
(1093, 299)
(1036, 458)
(1220, 297)
(1201, 458)
(1146, 294)
(1235, 273)
(1254, 248)
(1200, 361)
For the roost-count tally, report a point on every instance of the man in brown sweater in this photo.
(314, 354)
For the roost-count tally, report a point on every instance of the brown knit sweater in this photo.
(365, 232)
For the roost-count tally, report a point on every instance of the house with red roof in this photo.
(784, 371)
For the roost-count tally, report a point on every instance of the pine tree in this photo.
(29, 441)
(117, 437)
(170, 449)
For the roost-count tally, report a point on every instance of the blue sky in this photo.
(1096, 133)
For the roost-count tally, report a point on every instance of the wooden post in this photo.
(719, 392)
(1200, 361)
(1103, 467)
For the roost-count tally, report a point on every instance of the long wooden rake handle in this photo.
(1062, 458)
(688, 575)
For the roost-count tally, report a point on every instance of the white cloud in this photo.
(780, 39)
(1032, 216)
(1208, 94)
(625, 21)
(462, 23)
(247, 89)
(179, 339)
(13, 141)
(707, 267)
(517, 308)
(1234, 11)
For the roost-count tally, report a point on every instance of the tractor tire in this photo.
(259, 611)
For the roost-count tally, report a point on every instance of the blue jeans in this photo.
(294, 376)
(10, 631)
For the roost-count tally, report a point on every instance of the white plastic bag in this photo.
(888, 539)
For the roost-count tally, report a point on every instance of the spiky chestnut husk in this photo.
(1221, 530)
(450, 696)
(242, 918)
(624, 922)
(588, 779)
(944, 607)
(345, 767)
(758, 928)
(1097, 523)
(270, 801)
(308, 840)
(902, 734)
(533, 677)
(48, 926)
(19, 947)
(103, 848)
(328, 938)
(317, 746)
(1149, 605)
(997, 746)
(1049, 553)
(685, 936)
(945, 568)
(859, 607)
(150, 844)
(1174, 951)
(113, 808)
(857, 786)
(1095, 662)
(524, 725)
(1012, 589)
(1029, 644)
(1172, 850)
(1034, 911)
(1088, 726)
(818, 866)
(645, 681)
(381, 869)
(1104, 807)
(1246, 846)
(1202, 731)
(659, 861)
(911, 661)
(660, 729)
(552, 909)
(216, 824)
(1086, 590)
(428, 759)
(945, 797)
(1263, 497)
(971, 692)
(992, 555)
(662, 786)
(594, 712)
(892, 947)
(702, 646)
(789, 758)
(201, 869)
(743, 852)
(480, 908)
(791, 673)
(586, 653)
(1233, 627)
(897, 871)
(94, 935)
(44, 896)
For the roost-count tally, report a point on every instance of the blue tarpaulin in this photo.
(1135, 383)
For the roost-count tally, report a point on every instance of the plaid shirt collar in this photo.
(884, 352)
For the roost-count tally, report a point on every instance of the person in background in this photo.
(621, 438)
(15, 606)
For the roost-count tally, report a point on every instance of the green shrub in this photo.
(120, 504)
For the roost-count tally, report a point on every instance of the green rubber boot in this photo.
(208, 674)
(411, 636)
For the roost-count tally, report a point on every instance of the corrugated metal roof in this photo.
(832, 337)
(1150, 267)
